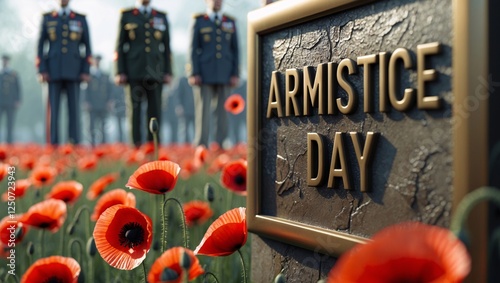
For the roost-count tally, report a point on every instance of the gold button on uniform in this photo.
(148, 49)
(65, 34)
(65, 26)
(146, 25)
(218, 46)
(218, 55)
(218, 39)
(219, 31)
(64, 41)
(148, 33)
(148, 41)
(64, 50)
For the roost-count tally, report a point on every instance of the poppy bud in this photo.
(156, 245)
(71, 229)
(168, 274)
(19, 232)
(280, 278)
(153, 125)
(30, 250)
(91, 248)
(209, 192)
(185, 260)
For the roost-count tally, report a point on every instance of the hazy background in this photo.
(19, 30)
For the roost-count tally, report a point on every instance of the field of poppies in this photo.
(115, 213)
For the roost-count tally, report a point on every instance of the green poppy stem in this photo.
(144, 272)
(42, 241)
(80, 251)
(244, 273)
(8, 275)
(87, 219)
(165, 222)
(211, 274)
(468, 203)
(163, 228)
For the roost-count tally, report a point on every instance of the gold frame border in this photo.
(470, 151)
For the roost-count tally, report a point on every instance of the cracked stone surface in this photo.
(411, 171)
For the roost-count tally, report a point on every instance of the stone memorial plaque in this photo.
(363, 114)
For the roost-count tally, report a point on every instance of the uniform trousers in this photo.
(9, 113)
(139, 92)
(210, 113)
(72, 90)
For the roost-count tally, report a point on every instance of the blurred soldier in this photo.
(98, 101)
(10, 95)
(119, 110)
(171, 121)
(214, 57)
(185, 109)
(63, 34)
(143, 62)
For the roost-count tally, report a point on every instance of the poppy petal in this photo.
(226, 234)
(234, 176)
(156, 177)
(100, 185)
(67, 191)
(53, 269)
(171, 259)
(113, 197)
(407, 252)
(123, 236)
(197, 212)
(48, 214)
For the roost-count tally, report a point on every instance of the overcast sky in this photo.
(103, 17)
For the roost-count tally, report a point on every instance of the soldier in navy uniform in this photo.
(143, 64)
(185, 108)
(214, 58)
(97, 101)
(10, 95)
(63, 66)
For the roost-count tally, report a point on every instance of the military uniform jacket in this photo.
(214, 50)
(64, 36)
(99, 91)
(10, 92)
(143, 45)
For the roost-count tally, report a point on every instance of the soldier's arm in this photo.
(120, 67)
(41, 62)
(88, 51)
(167, 52)
(194, 45)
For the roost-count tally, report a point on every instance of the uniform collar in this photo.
(211, 14)
(66, 9)
(142, 8)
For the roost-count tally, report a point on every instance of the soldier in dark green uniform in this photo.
(214, 57)
(143, 62)
(97, 101)
(10, 96)
(62, 66)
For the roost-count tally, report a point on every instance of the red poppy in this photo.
(156, 177)
(171, 259)
(53, 269)
(4, 170)
(3, 152)
(123, 236)
(48, 214)
(12, 230)
(197, 212)
(43, 175)
(65, 149)
(234, 176)
(148, 148)
(218, 163)
(200, 156)
(100, 184)
(113, 197)
(235, 104)
(21, 186)
(407, 252)
(67, 191)
(88, 162)
(226, 235)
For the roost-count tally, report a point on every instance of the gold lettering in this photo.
(292, 80)
(332, 70)
(405, 103)
(350, 106)
(364, 158)
(425, 75)
(366, 61)
(315, 159)
(313, 94)
(342, 172)
(274, 101)
(382, 82)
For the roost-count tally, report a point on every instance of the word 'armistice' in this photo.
(305, 90)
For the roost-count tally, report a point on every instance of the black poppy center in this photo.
(131, 235)
(54, 279)
(235, 104)
(44, 225)
(239, 180)
(43, 179)
(164, 190)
